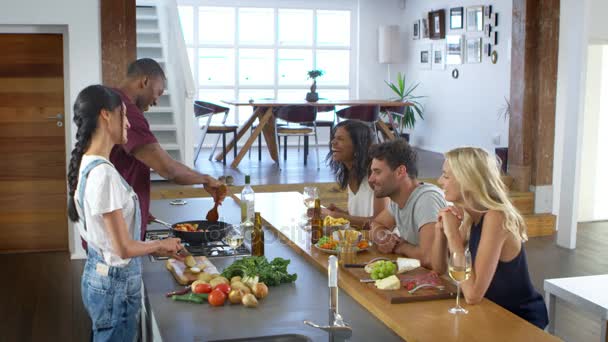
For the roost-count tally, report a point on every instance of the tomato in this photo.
(217, 298)
(202, 288)
(224, 288)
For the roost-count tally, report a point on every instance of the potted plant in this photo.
(503, 152)
(404, 117)
(313, 96)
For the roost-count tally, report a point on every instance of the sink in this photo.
(271, 338)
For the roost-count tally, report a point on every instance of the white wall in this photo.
(79, 22)
(598, 27)
(461, 111)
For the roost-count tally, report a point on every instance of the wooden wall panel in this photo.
(118, 39)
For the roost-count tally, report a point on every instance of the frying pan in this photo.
(208, 231)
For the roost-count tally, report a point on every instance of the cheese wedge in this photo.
(389, 283)
(407, 264)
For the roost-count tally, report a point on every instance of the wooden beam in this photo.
(118, 39)
(533, 91)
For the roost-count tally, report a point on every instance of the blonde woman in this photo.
(484, 220)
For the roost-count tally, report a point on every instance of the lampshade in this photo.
(388, 44)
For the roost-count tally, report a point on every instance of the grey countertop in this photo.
(282, 312)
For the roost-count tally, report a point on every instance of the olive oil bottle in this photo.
(257, 237)
(316, 223)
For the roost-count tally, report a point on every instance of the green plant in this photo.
(407, 117)
(313, 74)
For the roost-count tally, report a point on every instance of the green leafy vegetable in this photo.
(383, 269)
(270, 273)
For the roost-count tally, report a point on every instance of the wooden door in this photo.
(33, 187)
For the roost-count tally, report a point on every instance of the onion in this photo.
(260, 290)
(250, 301)
(235, 296)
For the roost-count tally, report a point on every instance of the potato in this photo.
(240, 286)
(250, 301)
(206, 277)
(214, 275)
(235, 278)
(189, 261)
(216, 281)
(196, 282)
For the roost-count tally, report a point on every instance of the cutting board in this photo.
(182, 274)
(418, 275)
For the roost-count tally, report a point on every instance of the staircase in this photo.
(156, 39)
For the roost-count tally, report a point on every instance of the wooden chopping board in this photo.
(182, 274)
(402, 295)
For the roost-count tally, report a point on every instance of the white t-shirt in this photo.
(361, 203)
(104, 193)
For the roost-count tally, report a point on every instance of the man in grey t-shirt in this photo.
(414, 206)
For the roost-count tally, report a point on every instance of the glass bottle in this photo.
(247, 201)
(316, 223)
(257, 237)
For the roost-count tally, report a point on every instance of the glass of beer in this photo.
(459, 268)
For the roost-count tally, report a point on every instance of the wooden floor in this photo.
(40, 293)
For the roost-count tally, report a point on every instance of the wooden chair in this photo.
(367, 114)
(207, 109)
(299, 114)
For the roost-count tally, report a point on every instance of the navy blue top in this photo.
(511, 287)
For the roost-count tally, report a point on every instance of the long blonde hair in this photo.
(482, 188)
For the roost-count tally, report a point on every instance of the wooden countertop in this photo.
(419, 321)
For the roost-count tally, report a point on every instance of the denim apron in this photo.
(111, 295)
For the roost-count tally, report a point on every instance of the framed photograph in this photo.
(487, 11)
(437, 22)
(438, 56)
(487, 30)
(475, 19)
(456, 18)
(425, 28)
(487, 49)
(424, 57)
(454, 49)
(495, 19)
(474, 50)
(495, 37)
(416, 32)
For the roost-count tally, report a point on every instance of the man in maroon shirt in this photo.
(144, 84)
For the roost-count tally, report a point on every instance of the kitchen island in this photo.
(281, 313)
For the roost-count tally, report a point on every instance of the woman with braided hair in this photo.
(109, 219)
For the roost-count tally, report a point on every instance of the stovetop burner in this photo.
(211, 249)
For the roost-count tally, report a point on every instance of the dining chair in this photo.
(298, 114)
(369, 114)
(208, 110)
(323, 123)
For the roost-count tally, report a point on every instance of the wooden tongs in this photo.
(213, 215)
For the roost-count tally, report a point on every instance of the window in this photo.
(245, 52)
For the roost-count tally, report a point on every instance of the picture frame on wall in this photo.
(487, 11)
(495, 37)
(425, 28)
(474, 50)
(416, 30)
(456, 18)
(454, 49)
(487, 49)
(475, 19)
(487, 30)
(438, 57)
(495, 19)
(424, 57)
(437, 24)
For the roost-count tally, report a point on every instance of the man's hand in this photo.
(385, 240)
(216, 189)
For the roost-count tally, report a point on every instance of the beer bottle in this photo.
(316, 223)
(257, 237)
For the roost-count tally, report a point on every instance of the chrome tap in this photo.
(337, 329)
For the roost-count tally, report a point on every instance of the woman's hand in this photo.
(170, 247)
(449, 221)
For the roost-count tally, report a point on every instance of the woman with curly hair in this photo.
(349, 160)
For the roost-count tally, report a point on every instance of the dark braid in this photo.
(89, 103)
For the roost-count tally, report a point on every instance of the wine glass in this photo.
(311, 193)
(459, 268)
(234, 238)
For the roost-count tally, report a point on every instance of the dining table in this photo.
(263, 112)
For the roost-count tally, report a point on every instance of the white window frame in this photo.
(348, 5)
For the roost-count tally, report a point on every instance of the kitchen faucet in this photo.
(338, 330)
